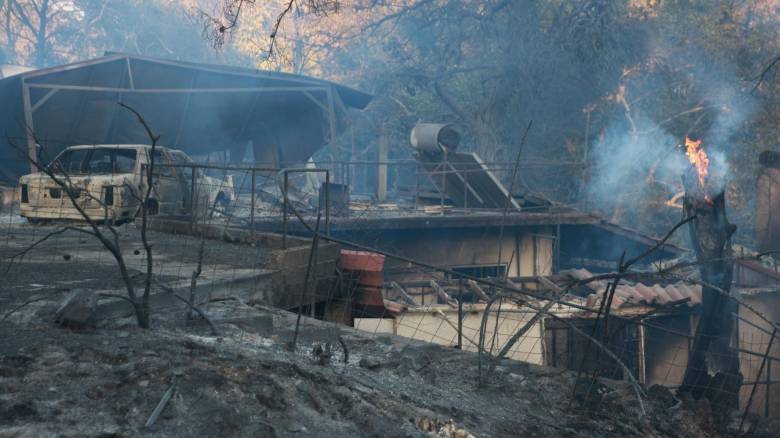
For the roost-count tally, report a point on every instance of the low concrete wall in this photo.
(288, 266)
(766, 400)
(224, 232)
(438, 324)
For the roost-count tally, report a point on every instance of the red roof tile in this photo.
(638, 293)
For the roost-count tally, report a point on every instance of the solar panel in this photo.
(466, 180)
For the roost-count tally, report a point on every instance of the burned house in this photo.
(653, 326)
(460, 216)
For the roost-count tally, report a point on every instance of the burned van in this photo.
(108, 183)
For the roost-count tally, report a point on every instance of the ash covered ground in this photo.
(107, 382)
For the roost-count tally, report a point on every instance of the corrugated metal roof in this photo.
(8, 70)
(638, 294)
(639, 236)
(197, 108)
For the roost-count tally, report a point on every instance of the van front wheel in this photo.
(152, 209)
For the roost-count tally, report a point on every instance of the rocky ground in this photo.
(245, 381)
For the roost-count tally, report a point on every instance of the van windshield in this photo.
(95, 161)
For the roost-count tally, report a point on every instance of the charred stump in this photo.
(712, 371)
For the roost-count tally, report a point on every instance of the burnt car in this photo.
(108, 182)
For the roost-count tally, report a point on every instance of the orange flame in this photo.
(698, 158)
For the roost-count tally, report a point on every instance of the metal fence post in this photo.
(466, 191)
(252, 206)
(327, 203)
(417, 188)
(758, 376)
(193, 199)
(284, 213)
(768, 386)
(460, 313)
(442, 189)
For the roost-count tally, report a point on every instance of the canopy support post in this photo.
(32, 152)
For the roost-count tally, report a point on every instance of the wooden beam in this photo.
(546, 282)
(32, 152)
(381, 170)
(474, 287)
(43, 100)
(406, 297)
(130, 78)
(175, 90)
(442, 294)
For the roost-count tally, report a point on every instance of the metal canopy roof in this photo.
(198, 108)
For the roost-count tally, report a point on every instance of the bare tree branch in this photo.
(145, 211)
(761, 77)
(202, 314)
(21, 306)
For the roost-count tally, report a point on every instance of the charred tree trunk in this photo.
(713, 364)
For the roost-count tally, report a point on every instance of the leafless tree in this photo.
(217, 27)
(105, 231)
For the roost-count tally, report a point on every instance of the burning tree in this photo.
(713, 366)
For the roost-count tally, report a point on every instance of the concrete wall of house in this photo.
(768, 210)
(756, 340)
(666, 353)
(471, 246)
(438, 324)
(750, 273)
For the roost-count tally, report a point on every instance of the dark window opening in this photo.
(160, 161)
(566, 348)
(481, 271)
(108, 195)
(180, 158)
(95, 161)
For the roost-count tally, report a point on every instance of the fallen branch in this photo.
(19, 307)
(214, 330)
(344, 347)
(161, 405)
(121, 297)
